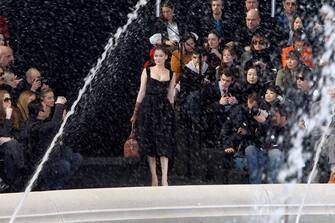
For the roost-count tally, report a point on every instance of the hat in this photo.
(299, 35)
(293, 55)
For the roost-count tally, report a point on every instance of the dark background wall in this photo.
(64, 39)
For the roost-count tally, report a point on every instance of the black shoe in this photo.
(3, 186)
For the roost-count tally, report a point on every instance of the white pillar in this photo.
(158, 3)
(273, 8)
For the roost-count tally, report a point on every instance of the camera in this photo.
(42, 80)
(257, 111)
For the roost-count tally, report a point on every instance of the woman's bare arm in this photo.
(143, 86)
(171, 89)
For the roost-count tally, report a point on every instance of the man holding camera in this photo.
(264, 151)
(33, 81)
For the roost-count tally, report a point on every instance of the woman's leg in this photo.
(152, 165)
(164, 166)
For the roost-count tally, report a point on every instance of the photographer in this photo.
(223, 157)
(244, 126)
(44, 125)
(33, 81)
(265, 151)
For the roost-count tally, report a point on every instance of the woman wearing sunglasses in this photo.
(10, 150)
(260, 55)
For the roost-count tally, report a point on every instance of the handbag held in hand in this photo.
(131, 148)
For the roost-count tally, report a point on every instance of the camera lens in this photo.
(255, 111)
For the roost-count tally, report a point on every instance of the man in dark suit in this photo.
(218, 100)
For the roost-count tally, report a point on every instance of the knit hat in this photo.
(293, 55)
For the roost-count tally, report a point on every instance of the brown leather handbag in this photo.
(130, 147)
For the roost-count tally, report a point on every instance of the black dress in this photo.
(155, 122)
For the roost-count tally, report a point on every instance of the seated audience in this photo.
(33, 81)
(218, 101)
(287, 77)
(10, 149)
(168, 28)
(218, 21)
(213, 45)
(252, 82)
(261, 54)
(301, 47)
(183, 56)
(44, 124)
(263, 152)
(229, 59)
(22, 104)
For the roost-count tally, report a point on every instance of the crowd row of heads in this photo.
(252, 17)
(29, 104)
(289, 6)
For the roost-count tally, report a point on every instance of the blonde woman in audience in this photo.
(22, 104)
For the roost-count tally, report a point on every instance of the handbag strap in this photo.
(132, 133)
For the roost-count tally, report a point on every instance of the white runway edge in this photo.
(207, 204)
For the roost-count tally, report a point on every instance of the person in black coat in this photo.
(170, 27)
(265, 144)
(11, 150)
(263, 55)
(218, 21)
(218, 99)
(33, 81)
(192, 79)
(43, 127)
(252, 82)
(254, 25)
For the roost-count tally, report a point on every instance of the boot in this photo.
(332, 178)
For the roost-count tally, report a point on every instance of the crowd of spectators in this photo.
(30, 117)
(242, 83)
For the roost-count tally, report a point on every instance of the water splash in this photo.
(327, 82)
(112, 43)
(293, 171)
